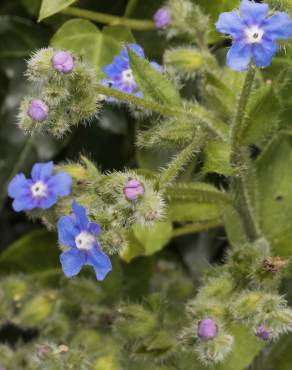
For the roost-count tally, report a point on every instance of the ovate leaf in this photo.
(83, 37)
(147, 241)
(272, 197)
(217, 157)
(34, 252)
(262, 114)
(152, 83)
(50, 7)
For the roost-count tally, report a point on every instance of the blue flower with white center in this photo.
(254, 34)
(41, 191)
(80, 235)
(119, 74)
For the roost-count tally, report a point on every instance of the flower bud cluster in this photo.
(182, 19)
(64, 93)
(115, 200)
(244, 291)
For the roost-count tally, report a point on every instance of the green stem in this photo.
(195, 112)
(240, 162)
(179, 162)
(17, 166)
(113, 20)
(196, 227)
(240, 119)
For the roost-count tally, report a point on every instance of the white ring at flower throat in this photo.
(39, 189)
(127, 77)
(254, 34)
(84, 241)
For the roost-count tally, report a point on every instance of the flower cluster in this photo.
(76, 231)
(254, 34)
(66, 93)
(119, 74)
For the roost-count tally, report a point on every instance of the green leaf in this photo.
(34, 252)
(153, 84)
(119, 33)
(83, 37)
(270, 184)
(280, 355)
(245, 347)
(196, 202)
(217, 158)
(147, 241)
(262, 114)
(50, 7)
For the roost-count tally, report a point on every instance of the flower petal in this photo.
(99, 261)
(239, 55)
(24, 203)
(230, 23)
(47, 202)
(157, 66)
(18, 186)
(263, 53)
(94, 228)
(136, 48)
(72, 261)
(278, 27)
(253, 13)
(60, 184)
(116, 67)
(42, 171)
(81, 217)
(67, 231)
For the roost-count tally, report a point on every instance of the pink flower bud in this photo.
(133, 190)
(38, 110)
(63, 62)
(207, 329)
(162, 17)
(264, 333)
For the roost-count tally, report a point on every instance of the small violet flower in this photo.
(264, 333)
(63, 62)
(119, 74)
(162, 17)
(41, 191)
(38, 110)
(254, 34)
(207, 329)
(80, 235)
(133, 190)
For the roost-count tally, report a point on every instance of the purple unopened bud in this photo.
(134, 189)
(264, 333)
(162, 17)
(38, 110)
(63, 62)
(207, 329)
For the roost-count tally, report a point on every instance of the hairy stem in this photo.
(179, 162)
(113, 20)
(196, 112)
(240, 162)
(196, 227)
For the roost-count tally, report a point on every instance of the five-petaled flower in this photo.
(80, 235)
(254, 34)
(41, 191)
(119, 74)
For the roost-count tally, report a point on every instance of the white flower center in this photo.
(127, 77)
(39, 189)
(254, 34)
(84, 240)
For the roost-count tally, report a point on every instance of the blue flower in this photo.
(80, 235)
(254, 34)
(119, 74)
(41, 191)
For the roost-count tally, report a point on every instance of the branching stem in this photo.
(113, 20)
